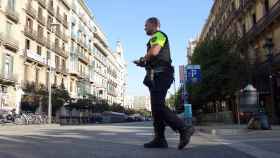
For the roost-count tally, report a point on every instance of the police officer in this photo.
(159, 77)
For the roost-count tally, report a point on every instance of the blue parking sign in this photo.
(193, 73)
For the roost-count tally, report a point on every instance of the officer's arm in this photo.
(157, 42)
(153, 51)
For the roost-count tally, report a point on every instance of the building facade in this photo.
(55, 42)
(190, 49)
(249, 24)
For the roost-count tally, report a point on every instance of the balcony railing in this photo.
(43, 3)
(60, 51)
(35, 57)
(261, 24)
(8, 78)
(12, 14)
(30, 10)
(83, 57)
(41, 19)
(61, 69)
(10, 42)
(30, 33)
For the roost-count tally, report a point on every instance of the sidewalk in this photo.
(232, 129)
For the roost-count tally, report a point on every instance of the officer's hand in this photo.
(140, 62)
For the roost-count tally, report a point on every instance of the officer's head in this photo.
(152, 25)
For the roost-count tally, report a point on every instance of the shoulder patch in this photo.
(154, 39)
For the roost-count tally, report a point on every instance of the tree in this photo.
(223, 72)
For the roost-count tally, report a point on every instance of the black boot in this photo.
(157, 142)
(185, 136)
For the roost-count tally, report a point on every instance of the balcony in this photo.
(41, 19)
(42, 3)
(8, 79)
(58, 50)
(12, 14)
(11, 43)
(41, 39)
(61, 69)
(262, 24)
(51, 9)
(29, 32)
(244, 7)
(83, 58)
(30, 10)
(84, 76)
(35, 57)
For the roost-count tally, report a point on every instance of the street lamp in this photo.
(269, 46)
(53, 25)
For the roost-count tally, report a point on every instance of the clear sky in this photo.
(124, 20)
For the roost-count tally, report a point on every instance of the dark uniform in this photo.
(159, 77)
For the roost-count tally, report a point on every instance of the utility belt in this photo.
(151, 72)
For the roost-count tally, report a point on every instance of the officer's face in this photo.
(150, 28)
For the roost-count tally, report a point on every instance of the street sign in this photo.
(193, 73)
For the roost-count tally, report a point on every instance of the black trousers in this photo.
(162, 115)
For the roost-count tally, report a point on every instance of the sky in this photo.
(124, 20)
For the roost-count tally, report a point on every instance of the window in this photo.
(243, 29)
(40, 30)
(65, 18)
(55, 80)
(266, 6)
(8, 69)
(11, 4)
(48, 55)
(40, 11)
(254, 19)
(57, 10)
(39, 50)
(47, 78)
(71, 86)
(29, 24)
(63, 65)
(27, 44)
(9, 28)
(37, 76)
(51, 3)
(56, 61)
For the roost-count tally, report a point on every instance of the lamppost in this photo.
(53, 25)
(269, 46)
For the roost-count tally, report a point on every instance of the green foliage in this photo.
(223, 72)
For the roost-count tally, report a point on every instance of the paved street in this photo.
(125, 140)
